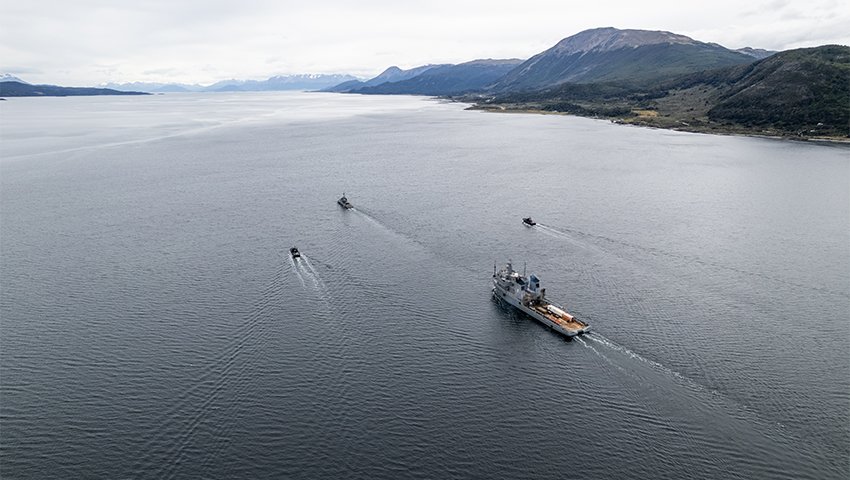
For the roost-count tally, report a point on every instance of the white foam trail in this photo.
(553, 232)
(369, 218)
(600, 354)
(310, 278)
(608, 343)
(297, 271)
(310, 272)
(309, 265)
(557, 234)
(655, 365)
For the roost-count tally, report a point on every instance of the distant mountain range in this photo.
(596, 55)
(434, 80)
(758, 53)
(652, 78)
(10, 78)
(395, 74)
(634, 76)
(19, 89)
(278, 83)
(637, 57)
(391, 75)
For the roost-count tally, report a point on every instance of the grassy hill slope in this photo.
(636, 66)
(799, 87)
(801, 93)
(18, 89)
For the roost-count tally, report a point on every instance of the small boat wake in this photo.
(307, 274)
(564, 235)
(377, 223)
(297, 270)
(554, 232)
(368, 217)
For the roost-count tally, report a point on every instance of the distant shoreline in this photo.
(713, 130)
(18, 89)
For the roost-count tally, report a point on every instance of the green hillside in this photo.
(795, 89)
(17, 89)
(636, 66)
(800, 93)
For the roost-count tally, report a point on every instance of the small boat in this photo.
(528, 221)
(294, 252)
(344, 202)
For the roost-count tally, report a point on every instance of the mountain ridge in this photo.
(395, 74)
(447, 79)
(801, 93)
(18, 89)
(645, 77)
(275, 83)
(594, 55)
(608, 54)
(440, 79)
(606, 39)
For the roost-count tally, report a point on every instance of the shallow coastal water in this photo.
(152, 323)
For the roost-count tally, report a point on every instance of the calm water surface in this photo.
(153, 325)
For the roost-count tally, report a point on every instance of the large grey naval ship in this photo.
(525, 294)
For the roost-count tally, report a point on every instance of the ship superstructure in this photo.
(524, 294)
(344, 203)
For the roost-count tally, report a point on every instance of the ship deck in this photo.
(568, 324)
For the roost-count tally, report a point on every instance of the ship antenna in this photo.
(523, 269)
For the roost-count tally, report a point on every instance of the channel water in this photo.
(154, 325)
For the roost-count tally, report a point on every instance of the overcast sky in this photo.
(89, 42)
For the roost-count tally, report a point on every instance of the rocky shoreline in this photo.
(652, 119)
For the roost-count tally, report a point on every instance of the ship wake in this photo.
(565, 235)
(307, 274)
(620, 358)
